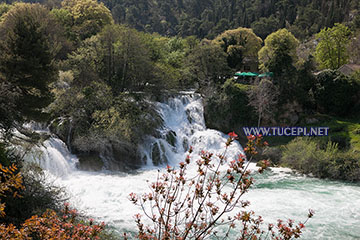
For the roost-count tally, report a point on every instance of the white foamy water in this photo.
(277, 194)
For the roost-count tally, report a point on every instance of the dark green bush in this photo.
(229, 108)
(37, 196)
(335, 93)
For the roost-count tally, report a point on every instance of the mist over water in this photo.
(276, 194)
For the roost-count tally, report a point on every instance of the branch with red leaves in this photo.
(184, 205)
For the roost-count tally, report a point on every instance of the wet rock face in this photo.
(171, 138)
(124, 157)
(158, 154)
(116, 157)
(60, 127)
(90, 162)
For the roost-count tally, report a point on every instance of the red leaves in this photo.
(51, 226)
(192, 206)
(233, 135)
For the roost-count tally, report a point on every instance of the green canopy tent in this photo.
(267, 74)
(246, 74)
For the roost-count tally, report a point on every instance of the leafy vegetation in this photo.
(331, 51)
(90, 69)
(307, 156)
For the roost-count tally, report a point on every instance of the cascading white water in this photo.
(277, 194)
(184, 123)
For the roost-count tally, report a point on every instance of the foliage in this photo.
(239, 44)
(279, 44)
(279, 56)
(88, 16)
(305, 155)
(26, 62)
(184, 205)
(265, 26)
(229, 107)
(37, 195)
(354, 48)
(52, 226)
(331, 51)
(11, 182)
(4, 8)
(210, 18)
(342, 89)
(23, 191)
(207, 63)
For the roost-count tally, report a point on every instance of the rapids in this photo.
(277, 194)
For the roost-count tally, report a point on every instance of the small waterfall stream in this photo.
(277, 194)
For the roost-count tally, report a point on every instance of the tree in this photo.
(11, 182)
(208, 63)
(263, 97)
(277, 44)
(354, 49)
(279, 56)
(4, 8)
(342, 90)
(89, 16)
(331, 51)
(265, 26)
(239, 44)
(26, 62)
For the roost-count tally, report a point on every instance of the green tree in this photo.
(279, 56)
(331, 52)
(265, 26)
(26, 60)
(281, 42)
(89, 16)
(207, 64)
(335, 93)
(239, 44)
(4, 8)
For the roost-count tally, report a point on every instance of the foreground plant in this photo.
(47, 226)
(201, 205)
(52, 226)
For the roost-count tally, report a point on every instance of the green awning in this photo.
(246, 74)
(267, 74)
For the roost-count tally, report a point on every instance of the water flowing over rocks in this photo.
(277, 194)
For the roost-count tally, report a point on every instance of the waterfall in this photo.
(184, 126)
(277, 194)
(53, 156)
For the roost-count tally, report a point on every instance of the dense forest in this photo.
(91, 70)
(208, 18)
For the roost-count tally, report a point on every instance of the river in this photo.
(279, 193)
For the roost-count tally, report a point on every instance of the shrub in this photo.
(51, 226)
(184, 205)
(47, 226)
(306, 156)
(229, 107)
(334, 93)
(37, 195)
